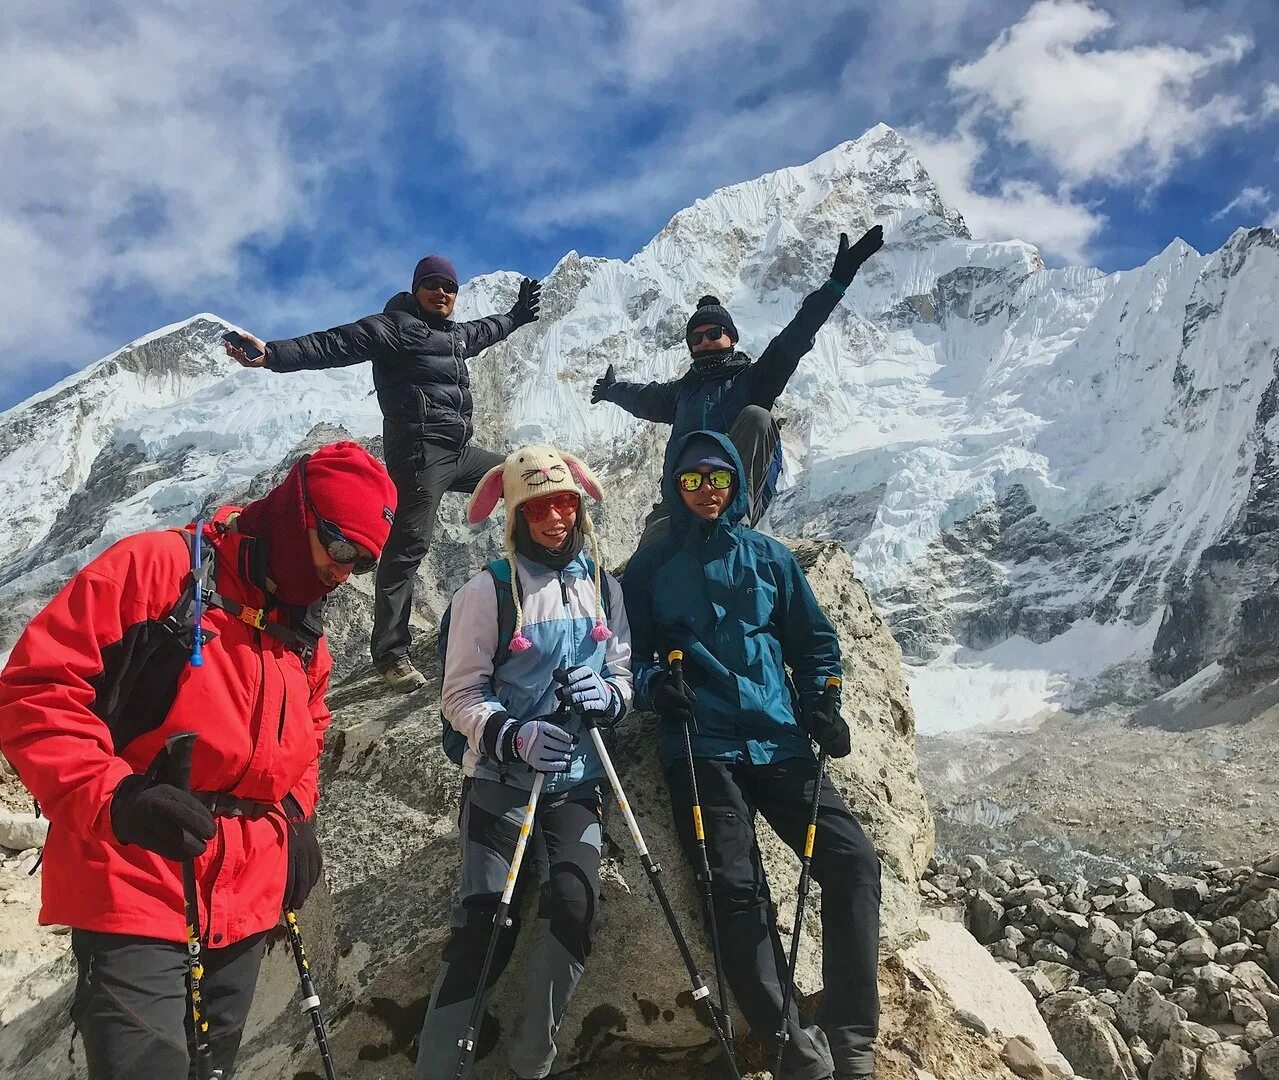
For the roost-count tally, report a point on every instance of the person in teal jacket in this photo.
(737, 604)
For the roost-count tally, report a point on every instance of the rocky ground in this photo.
(1159, 976)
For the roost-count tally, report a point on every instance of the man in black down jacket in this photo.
(419, 359)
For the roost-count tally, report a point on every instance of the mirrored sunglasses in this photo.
(720, 479)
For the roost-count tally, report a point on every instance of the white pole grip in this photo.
(618, 793)
(526, 827)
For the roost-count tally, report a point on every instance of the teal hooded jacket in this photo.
(737, 604)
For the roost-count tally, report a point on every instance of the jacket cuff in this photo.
(498, 730)
(276, 358)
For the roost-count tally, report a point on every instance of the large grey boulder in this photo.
(388, 829)
(1092, 1044)
(20, 832)
(949, 958)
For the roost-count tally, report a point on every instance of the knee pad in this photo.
(568, 903)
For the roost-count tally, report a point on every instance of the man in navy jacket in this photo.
(725, 390)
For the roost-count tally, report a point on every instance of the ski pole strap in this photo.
(197, 573)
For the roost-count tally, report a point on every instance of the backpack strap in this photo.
(500, 571)
(204, 577)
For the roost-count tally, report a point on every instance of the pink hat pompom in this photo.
(519, 643)
(600, 632)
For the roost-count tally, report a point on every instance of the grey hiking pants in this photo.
(422, 473)
(755, 435)
(133, 1011)
(569, 834)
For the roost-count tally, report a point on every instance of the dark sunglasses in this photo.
(430, 284)
(339, 548)
(711, 333)
(720, 480)
(561, 502)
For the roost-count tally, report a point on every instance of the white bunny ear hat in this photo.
(529, 473)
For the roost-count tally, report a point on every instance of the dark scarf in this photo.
(278, 520)
(535, 552)
(710, 362)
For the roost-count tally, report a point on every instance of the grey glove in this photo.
(588, 691)
(545, 746)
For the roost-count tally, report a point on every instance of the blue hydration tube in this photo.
(197, 637)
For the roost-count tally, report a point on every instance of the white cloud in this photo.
(1018, 209)
(1253, 201)
(1121, 114)
(1248, 200)
(142, 147)
(660, 36)
(1270, 100)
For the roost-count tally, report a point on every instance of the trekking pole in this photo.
(805, 872)
(653, 870)
(310, 999)
(177, 770)
(676, 661)
(467, 1042)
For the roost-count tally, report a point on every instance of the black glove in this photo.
(160, 818)
(673, 701)
(848, 260)
(824, 723)
(528, 303)
(602, 386)
(303, 855)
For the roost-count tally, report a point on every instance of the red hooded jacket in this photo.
(83, 704)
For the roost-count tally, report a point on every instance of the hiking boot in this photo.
(403, 676)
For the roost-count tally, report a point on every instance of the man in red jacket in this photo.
(102, 677)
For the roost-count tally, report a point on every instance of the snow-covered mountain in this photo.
(1059, 484)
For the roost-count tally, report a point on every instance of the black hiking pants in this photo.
(132, 1008)
(755, 435)
(422, 473)
(846, 867)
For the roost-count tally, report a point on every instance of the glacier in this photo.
(1059, 484)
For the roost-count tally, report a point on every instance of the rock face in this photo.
(390, 841)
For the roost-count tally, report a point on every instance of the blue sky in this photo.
(284, 163)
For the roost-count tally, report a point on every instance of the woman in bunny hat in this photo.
(544, 606)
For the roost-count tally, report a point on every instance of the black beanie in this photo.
(711, 313)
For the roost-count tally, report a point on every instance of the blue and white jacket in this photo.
(558, 616)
